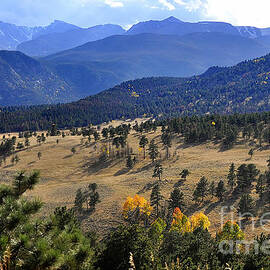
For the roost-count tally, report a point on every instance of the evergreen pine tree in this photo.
(260, 187)
(212, 189)
(268, 163)
(105, 133)
(96, 136)
(39, 139)
(166, 138)
(93, 196)
(220, 190)
(143, 142)
(73, 150)
(53, 130)
(184, 174)
(251, 152)
(232, 177)
(267, 179)
(43, 138)
(158, 170)
(27, 142)
(78, 203)
(153, 150)
(12, 160)
(176, 200)
(245, 205)
(246, 174)
(17, 159)
(129, 163)
(201, 189)
(156, 198)
(252, 172)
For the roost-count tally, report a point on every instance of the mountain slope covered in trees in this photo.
(242, 88)
(24, 80)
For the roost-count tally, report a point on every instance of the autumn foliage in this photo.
(182, 223)
(199, 220)
(230, 231)
(137, 203)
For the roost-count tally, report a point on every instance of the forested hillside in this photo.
(24, 80)
(242, 88)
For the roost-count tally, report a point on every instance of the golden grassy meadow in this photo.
(63, 173)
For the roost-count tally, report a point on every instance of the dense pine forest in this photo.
(243, 88)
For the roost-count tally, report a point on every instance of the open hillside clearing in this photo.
(63, 173)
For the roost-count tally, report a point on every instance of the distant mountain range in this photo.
(55, 42)
(59, 36)
(174, 26)
(239, 89)
(98, 65)
(11, 35)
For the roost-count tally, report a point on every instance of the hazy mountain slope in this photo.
(56, 42)
(241, 88)
(24, 80)
(55, 27)
(98, 65)
(173, 26)
(12, 35)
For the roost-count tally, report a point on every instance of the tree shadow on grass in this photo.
(263, 148)
(121, 172)
(31, 163)
(179, 183)
(93, 166)
(67, 156)
(151, 184)
(211, 207)
(243, 223)
(144, 168)
(8, 166)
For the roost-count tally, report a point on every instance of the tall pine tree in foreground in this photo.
(52, 243)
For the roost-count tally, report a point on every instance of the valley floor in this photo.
(63, 173)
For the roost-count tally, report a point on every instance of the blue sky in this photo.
(86, 13)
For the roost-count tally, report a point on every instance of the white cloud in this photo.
(239, 12)
(190, 5)
(167, 5)
(114, 4)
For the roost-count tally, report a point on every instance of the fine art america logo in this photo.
(234, 245)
